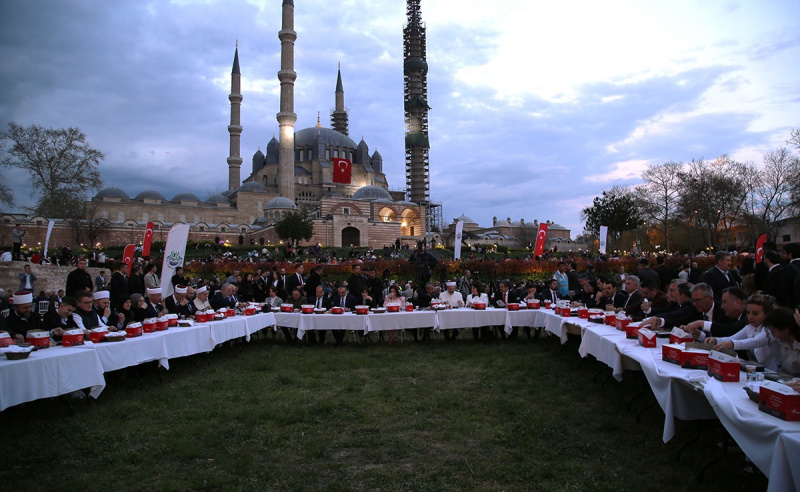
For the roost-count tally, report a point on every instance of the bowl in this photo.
(378, 310)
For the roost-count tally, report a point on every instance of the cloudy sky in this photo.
(537, 106)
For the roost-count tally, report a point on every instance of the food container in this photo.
(723, 367)
(632, 331)
(379, 310)
(116, 336)
(647, 338)
(534, 304)
(230, 312)
(362, 309)
(319, 310)
(611, 319)
(150, 325)
(547, 304)
(583, 313)
(779, 400)
(307, 309)
(435, 303)
(409, 307)
(566, 312)
(679, 336)
(38, 339)
(512, 306)
(219, 316)
(287, 308)
(15, 352)
(72, 337)
(133, 330)
(201, 317)
(96, 335)
(6, 339)
(250, 310)
(163, 323)
(622, 323)
(394, 307)
(480, 306)
(172, 320)
(334, 310)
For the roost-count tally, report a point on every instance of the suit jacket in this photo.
(666, 273)
(136, 284)
(727, 327)
(281, 285)
(360, 301)
(549, 295)
(118, 288)
(174, 308)
(788, 273)
(658, 305)
(686, 313)
(326, 301)
(312, 282)
(350, 301)
(423, 300)
(218, 301)
(716, 279)
(297, 303)
(512, 297)
(633, 302)
(292, 282)
(151, 310)
(618, 301)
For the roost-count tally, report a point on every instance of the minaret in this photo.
(339, 115)
(287, 116)
(415, 70)
(235, 128)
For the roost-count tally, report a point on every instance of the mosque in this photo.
(320, 170)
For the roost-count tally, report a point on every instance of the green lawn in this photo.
(436, 416)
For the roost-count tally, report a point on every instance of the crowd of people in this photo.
(754, 309)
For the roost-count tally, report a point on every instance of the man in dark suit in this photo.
(665, 272)
(790, 289)
(656, 301)
(296, 281)
(647, 273)
(280, 284)
(320, 301)
(345, 300)
(720, 276)
(119, 286)
(680, 293)
(356, 281)
(375, 285)
(153, 306)
(178, 303)
(504, 297)
(313, 281)
(612, 300)
(223, 298)
(772, 279)
(633, 302)
(550, 293)
(136, 281)
(734, 304)
(762, 269)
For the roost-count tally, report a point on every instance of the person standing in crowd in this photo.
(666, 273)
(27, 279)
(314, 279)
(16, 241)
(151, 280)
(100, 280)
(561, 278)
(720, 276)
(136, 280)
(574, 279)
(356, 280)
(789, 295)
(79, 280)
(374, 284)
(425, 263)
(178, 278)
(296, 281)
(464, 284)
(119, 285)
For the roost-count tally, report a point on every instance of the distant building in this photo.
(514, 234)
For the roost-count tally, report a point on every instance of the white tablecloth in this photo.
(676, 399)
(756, 432)
(131, 351)
(784, 473)
(346, 321)
(556, 324)
(601, 342)
(49, 372)
(402, 320)
(257, 322)
(451, 319)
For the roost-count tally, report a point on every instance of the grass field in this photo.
(438, 416)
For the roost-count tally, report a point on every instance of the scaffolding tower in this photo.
(415, 85)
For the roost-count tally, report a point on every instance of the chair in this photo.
(43, 307)
(5, 312)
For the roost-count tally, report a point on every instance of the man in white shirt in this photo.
(451, 299)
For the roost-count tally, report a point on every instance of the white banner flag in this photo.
(603, 238)
(459, 234)
(173, 256)
(47, 238)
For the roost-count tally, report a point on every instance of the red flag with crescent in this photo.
(148, 238)
(541, 237)
(342, 170)
(127, 255)
(760, 247)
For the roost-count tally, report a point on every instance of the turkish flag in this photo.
(127, 255)
(148, 238)
(342, 170)
(760, 247)
(541, 236)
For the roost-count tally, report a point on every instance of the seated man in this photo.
(695, 303)
(654, 302)
(102, 306)
(85, 316)
(153, 307)
(424, 297)
(366, 299)
(178, 303)
(320, 301)
(452, 299)
(21, 318)
(224, 298)
(201, 301)
(297, 299)
(345, 300)
(612, 300)
(734, 304)
(633, 301)
(61, 320)
(503, 298)
(551, 292)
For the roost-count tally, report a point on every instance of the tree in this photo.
(770, 196)
(660, 195)
(794, 181)
(526, 234)
(295, 225)
(60, 161)
(615, 208)
(88, 223)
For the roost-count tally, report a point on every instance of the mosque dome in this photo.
(309, 137)
(111, 192)
(228, 193)
(372, 193)
(185, 197)
(150, 195)
(217, 198)
(465, 219)
(253, 186)
(280, 202)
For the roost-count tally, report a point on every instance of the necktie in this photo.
(705, 317)
(343, 301)
(319, 302)
(300, 278)
(505, 298)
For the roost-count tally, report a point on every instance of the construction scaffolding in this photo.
(415, 84)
